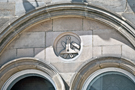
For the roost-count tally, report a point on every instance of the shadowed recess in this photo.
(33, 83)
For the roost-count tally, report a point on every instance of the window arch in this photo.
(110, 79)
(23, 74)
(21, 68)
(96, 66)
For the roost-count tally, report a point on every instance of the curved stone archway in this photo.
(21, 68)
(14, 79)
(10, 32)
(110, 79)
(96, 64)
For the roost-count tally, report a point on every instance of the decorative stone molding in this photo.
(95, 64)
(67, 46)
(10, 32)
(29, 66)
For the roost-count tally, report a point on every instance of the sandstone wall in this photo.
(37, 41)
(98, 40)
(12, 9)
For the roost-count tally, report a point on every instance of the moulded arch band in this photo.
(10, 32)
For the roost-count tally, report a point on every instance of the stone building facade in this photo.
(67, 44)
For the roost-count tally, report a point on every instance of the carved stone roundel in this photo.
(67, 46)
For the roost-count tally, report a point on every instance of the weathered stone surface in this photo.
(89, 24)
(97, 51)
(3, 20)
(86, 37)
(112, 50)
(130, 17)
(67, 77)
(113, 5)
(12, 19)
(104, 65)
(32, 43)
(23, 67)
(28, 52)
(24, 7)
(8, 55)
(30, 39)
(85, 54)
(6, 6)
(67, 67)
(128, 52)
(108, 37)
(67, 24)
(50, 55)
(39, 53)
(47, 1)
(50, 38)
(60, 1)
(7, 9)
(3, 0)
(1, 83)
(44, 26)
(8, 74)
(25, 0)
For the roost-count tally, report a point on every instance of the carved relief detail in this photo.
(67, 46)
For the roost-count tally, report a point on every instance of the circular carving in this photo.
(67, 46)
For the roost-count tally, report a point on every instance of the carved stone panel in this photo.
(67, 46)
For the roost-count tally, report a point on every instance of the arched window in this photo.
(110, 79)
